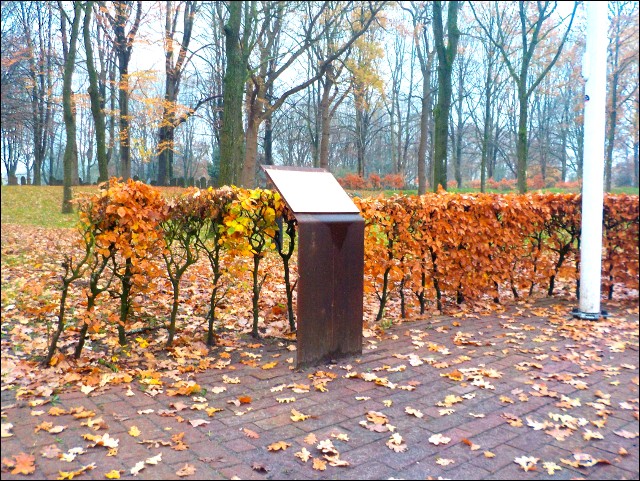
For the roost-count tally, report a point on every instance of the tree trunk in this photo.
(71, 148)
(325, 122)
(232, 133)
(249, 168)
(521, 143)
(446, 56)
(486, 130)
(96, 101)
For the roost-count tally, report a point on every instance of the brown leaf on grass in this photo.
(186, 470)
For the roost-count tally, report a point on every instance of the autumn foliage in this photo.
(469, 246)
(435, 249)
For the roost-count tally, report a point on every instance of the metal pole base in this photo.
(589, 316)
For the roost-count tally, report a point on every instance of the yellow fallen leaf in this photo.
(298, 416)
(113, 474)
(134, 431)
(278, 445)
(270, 365)
(303, 454)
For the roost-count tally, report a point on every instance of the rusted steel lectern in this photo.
(330, 263)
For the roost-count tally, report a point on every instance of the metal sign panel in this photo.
(311, 191)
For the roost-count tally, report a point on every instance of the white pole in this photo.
(594, 70)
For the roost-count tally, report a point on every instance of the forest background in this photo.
(410, 95)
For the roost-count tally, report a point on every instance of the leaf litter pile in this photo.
(493, 386)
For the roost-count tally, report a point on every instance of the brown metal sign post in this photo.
(330, 263)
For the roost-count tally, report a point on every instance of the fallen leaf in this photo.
(279, 445)
(551, 467)
(282, 400)
(270, 365)
(23, 463)
(298, 416)
(319, 464)
(438, 439)
(303, 454)
(489, 454)
(250, 434)
(588, 435)
(444, 462)
(340, 436)
(310, 439)
(336, 461)
(396, 443)
(626, 434)
(198, 422)
(474, 447)
(528, 463)
(113, 474)
(154, 459)
(51, 452)
(327, 447)
(186, 470)
(244, 399)
(134, 431)
(72, 474)
(413, 412)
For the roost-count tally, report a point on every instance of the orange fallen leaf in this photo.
(23, 464)
(319, 464)
(278, 445)
(250, 434)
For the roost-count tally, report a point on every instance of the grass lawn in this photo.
(40, 206)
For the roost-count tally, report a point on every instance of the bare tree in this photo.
(123, 45)
(534, 28)
(446, 56)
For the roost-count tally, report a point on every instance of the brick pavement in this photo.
(539, 353)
